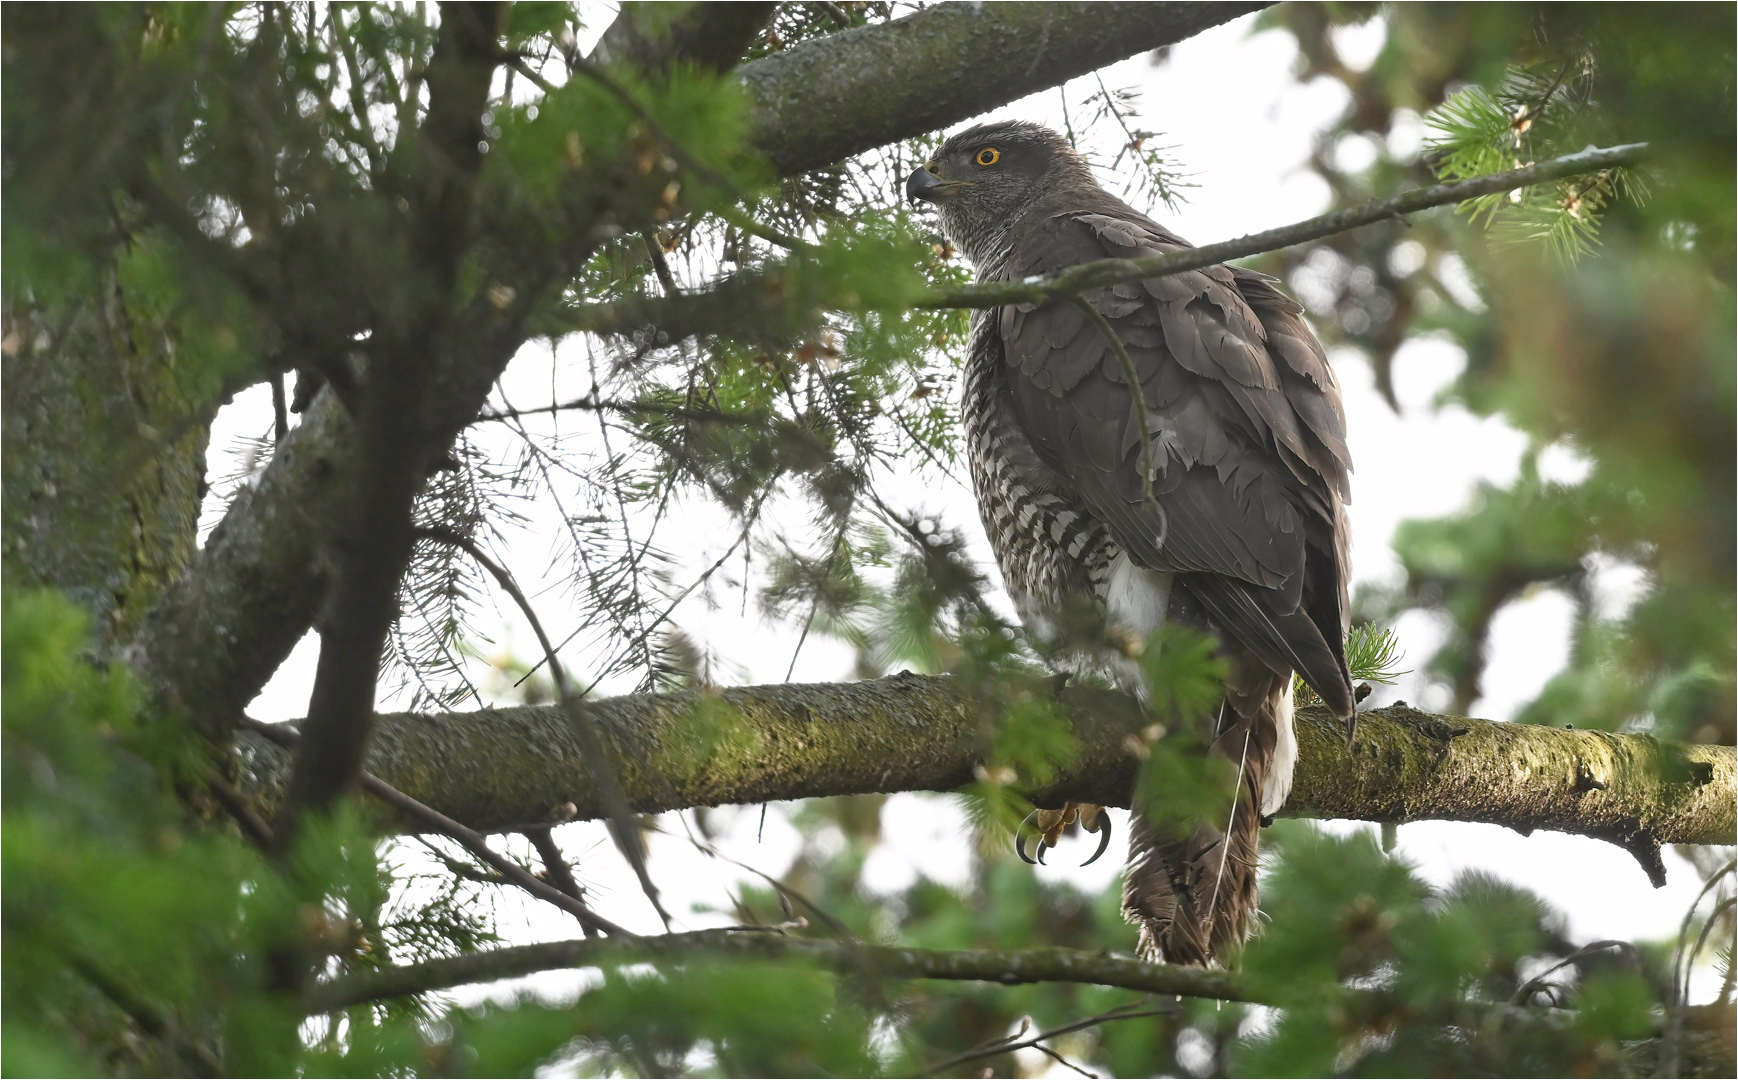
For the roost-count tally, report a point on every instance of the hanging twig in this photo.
(555, 865)
(1525, 994)
(472, 840)
(830, 921)
(623, 827)
(1674, 1036)
(1138, 396)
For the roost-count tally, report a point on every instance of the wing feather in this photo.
(1248, 462)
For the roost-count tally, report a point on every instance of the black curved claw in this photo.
(1020, 842)
(1103, 838)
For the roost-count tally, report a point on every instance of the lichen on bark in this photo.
(103, 457)
(506, 769)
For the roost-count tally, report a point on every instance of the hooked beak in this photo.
(925, 185)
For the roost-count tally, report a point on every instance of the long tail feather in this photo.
(1190, 886)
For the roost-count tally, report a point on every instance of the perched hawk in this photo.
(1239, 527)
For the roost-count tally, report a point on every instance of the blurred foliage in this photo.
(1437, 974)
(241, 174)
(1621, 361)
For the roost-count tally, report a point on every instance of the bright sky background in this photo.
(1246, 155)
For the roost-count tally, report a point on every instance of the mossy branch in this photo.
(508, 769)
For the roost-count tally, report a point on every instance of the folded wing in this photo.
(1247, 454)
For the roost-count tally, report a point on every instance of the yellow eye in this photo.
(989, 155)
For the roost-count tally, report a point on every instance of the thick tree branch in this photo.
(981, 965)
(507, 769)
(824, 100)
(251, 593)
(711, 35)
(1092, 275)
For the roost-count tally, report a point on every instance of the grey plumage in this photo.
(1243, 534)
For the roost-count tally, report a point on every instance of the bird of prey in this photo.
(1208, 490)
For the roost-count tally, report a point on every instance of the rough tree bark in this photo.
(507, 769)
(824, 100)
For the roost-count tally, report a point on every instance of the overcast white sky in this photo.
(1245, 154)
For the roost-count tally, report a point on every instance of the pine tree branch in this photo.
(1011, 967)
(709, 35)
(508, 769)
(1092, 275)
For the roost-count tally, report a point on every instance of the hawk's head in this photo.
(985, 177)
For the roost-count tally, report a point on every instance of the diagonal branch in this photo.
(395, 440)
(1104, 272)
(823, 100)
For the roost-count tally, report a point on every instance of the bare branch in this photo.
(1093, 275)
(981, 965)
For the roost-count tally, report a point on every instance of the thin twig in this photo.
(1102, 272)
(595, 404)
(655, 252)
(1675, 1040)
(280, 409)
(358, 103)
(1007, 967)
(1524, 995)
(1681, 982)
(598, 762)
(831, 922)
(1136, 391)
(765, 232)
(555, 865)
(472, 840)
(1131, 1011)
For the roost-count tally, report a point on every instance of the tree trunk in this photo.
(103, 457)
